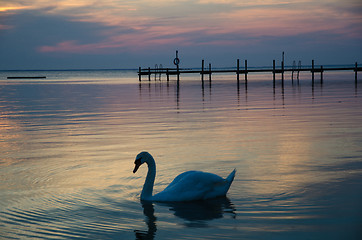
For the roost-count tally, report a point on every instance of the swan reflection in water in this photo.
(195, 213)
(148, 211)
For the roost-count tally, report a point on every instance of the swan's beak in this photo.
(137, 165)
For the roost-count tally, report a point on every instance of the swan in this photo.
(188, 186)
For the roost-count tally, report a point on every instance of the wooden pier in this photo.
(243, 70)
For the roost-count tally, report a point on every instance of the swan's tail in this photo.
(221, 188)
(229, 180)
(231, 176)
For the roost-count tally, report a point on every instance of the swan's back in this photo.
(195, 185)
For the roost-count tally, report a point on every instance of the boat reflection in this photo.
(195, 213)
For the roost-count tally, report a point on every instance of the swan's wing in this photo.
(192, 185)
(180, 178)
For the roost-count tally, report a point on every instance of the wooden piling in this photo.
(139, 74)
(202, 70)
(209, 71)
(283, 71)
(168, 75)
(178, 73)
(237, 69)
(355, 72)
(299, 67)
(156, 70)
(246, 71)
(274, 73)
(160, 70)
(149, 74)
(293, 69)
(321, 74)
(313, 72)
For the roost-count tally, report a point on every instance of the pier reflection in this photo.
(238, 92)
(180, 92)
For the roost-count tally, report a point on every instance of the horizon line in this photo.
(135, 69)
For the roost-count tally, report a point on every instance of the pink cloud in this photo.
(3, 27)
(66, 46)
(129, 42)
(149, 26)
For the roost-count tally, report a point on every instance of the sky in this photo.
(109, 34)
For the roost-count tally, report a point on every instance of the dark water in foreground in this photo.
(68, 142)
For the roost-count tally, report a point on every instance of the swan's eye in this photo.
(138, 160)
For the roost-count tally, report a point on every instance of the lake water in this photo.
(68, 144)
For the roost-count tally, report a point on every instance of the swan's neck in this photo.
(150, 179)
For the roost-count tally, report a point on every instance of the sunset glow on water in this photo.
(68, 146)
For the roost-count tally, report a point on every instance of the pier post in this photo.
(237, 69)
(176, 62)
(355, 73)
(274, 73)
(246, 71)
(139, 74)
(283, 71)
(293, 69)
(156, 71)
(178, 72)
(313, 72)
(149, 74)
(321, 74)
(210, 72)
(202, 70)
(168, 75)
(299, 67)
(160, 70)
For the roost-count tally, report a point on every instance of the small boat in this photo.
(34, 77)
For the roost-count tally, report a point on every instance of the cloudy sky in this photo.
(73, 34)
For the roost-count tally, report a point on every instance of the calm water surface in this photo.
(68, 143)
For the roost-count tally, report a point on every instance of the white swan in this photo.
(188, 186)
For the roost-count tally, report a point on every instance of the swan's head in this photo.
(141, 158)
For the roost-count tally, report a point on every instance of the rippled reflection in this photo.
(198, 213)
(195, 214)
(148, 211)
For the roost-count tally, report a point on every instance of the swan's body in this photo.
(188, 186)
